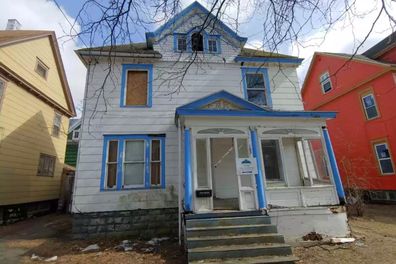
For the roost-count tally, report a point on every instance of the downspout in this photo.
(180, 178)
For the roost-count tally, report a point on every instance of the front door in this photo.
(246, 181)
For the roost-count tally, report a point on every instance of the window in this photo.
(46, 165)
(57, 125)
(41, 69)
(370, 107)
(272, 159)
(133, 161)
(256, 88)
(136, 85)
(325, 82)
(197, 41)
(202, 163)
(212, 45)
(384, 158)
(182, 43)
(76, 134)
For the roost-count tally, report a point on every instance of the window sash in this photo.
(255, 87)
(46, 166)
(110, 163)
(212, 45)
(370, 110)
(56, 124)
(325, 82)
(182, 43)
(387, 158)
(277, 171)
(154, 161)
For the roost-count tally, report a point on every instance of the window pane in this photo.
(155, 173)
(113, 151)
(371, 112)
(272, 159)
(368, 101)
(255, 80)
(155, 150)
(212, 45)
(243, 150)
(134, 150)
(386, 166)
(202, 172)
(316, 151)
(136, 90)
(182, 44)
(382, 151)
(134, 174)
(257, 97)
(111, 175)
(326, 86)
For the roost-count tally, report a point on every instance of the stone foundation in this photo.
(141, 223)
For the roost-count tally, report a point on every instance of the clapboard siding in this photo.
(26, 132)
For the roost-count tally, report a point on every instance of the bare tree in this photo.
(280, 23)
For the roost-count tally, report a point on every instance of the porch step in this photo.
(235, 238)
(229, 221)
(253, 260)
(205, 241)
(239, 251)
(221, 214)
(230, 230)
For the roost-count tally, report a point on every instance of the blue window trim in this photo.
(121, 143)
(268, 60)
(264, 71)
(206, 36)
(172, 22)
(141, 67)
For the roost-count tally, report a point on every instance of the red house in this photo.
(362, 89)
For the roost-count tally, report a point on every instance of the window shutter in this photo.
(136, 90)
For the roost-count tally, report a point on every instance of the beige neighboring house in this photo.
(35, 107)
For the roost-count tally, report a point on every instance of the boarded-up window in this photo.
(155, 172)
(136, 88)
(46, 165)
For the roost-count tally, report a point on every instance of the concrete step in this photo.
(254, 260)
(243, 239)
(220, 214)
(228, 221)
(238, 251)
(230, 230)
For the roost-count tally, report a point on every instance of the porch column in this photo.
(334, 167)
(187, 171)
(259, 176)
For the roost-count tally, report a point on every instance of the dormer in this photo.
(194, 30)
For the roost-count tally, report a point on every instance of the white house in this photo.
(191, 123)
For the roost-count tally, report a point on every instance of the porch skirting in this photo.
(294, 223)
(142, 223)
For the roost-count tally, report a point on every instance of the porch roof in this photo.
(242, 108)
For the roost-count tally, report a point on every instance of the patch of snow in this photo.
(91, 248)
(54, 258)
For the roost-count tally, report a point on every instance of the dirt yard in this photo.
(47, 237)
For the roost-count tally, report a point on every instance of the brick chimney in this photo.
(13, 24)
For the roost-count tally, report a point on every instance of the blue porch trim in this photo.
(268, 60)
(120, 161)
(188, 188)
(262, 202)
(252, 113)
(171, 23)
(140, 67)
(334, 167)
(264, 71)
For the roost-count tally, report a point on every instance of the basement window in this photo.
(41, 68)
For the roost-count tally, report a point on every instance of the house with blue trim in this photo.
(192, 134)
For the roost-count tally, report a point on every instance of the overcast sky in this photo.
(45, 15)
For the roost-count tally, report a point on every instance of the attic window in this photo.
(325, 82)
(197, 42)
(181, 43)
(41, 69)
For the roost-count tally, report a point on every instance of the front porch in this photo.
(238, 156)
